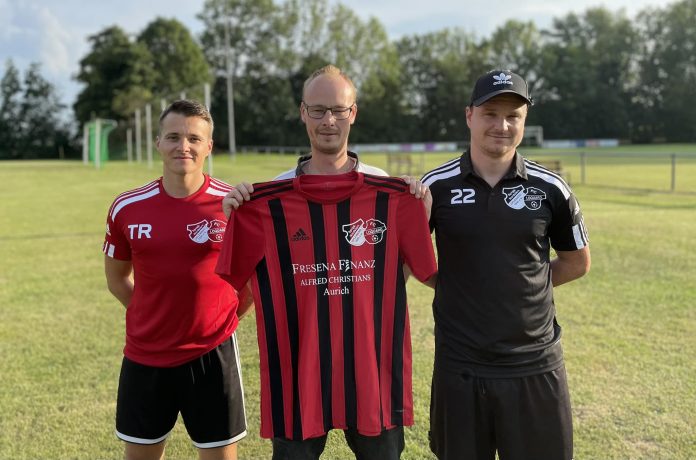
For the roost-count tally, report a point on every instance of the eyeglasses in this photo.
(318, 111)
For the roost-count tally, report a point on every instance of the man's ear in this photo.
(353, 113)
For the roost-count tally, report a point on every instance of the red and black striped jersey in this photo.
(325, 256)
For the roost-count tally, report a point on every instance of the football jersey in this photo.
(325, 255)
(494, 309)
(179, 309)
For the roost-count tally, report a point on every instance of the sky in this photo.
(54, 32)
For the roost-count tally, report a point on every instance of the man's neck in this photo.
(181, 186)
(324, 164)
(491, 169)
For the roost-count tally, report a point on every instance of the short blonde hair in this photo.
(331, 70)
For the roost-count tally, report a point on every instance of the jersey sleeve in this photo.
(116, 244)
(567, 230)
(242, 246)
(414, 237)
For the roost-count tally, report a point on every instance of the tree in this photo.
(30, 121)
(114, 70)
(587, 66)
(667, 94)
(176, 61)
(251, 26)
(10, 102)
(438, 71)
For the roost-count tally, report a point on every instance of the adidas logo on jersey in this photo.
(299, 235)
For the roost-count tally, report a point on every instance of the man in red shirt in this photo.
(181, 352)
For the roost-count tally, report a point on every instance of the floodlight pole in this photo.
(230, 90)
(129, 144)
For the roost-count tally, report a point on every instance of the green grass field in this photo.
(628, 326)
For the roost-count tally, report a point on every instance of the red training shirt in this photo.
(179, 310)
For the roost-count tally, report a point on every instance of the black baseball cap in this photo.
(498, 82)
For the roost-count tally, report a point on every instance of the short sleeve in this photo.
(116, 244)
(242, 246)
(567, 230)
(415, 242)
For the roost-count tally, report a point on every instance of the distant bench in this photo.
(555, 166)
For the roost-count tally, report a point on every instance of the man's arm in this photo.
(432, 281)
(118, 278)
(570, 265)
(246, 300)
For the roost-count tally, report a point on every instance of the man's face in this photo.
(497, 125)
(184, 143)
(328, 135)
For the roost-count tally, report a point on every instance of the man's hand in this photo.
(421, 191)
(416, 187)
(236, 197)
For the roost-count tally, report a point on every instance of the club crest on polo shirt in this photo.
(520, 197)
(203, 231)
(360, 232)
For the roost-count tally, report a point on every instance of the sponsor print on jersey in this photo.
(519, 197)
(202, 231)
(360, 232)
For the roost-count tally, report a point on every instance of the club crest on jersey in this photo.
(203, 231)
(360, 232)
(520, 197)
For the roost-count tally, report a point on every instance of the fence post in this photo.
(138, 137)
(582, 167)
(148, 131)
(129, 144)
(85, 144)
(674, 172)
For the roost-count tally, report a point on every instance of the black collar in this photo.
(517, 168)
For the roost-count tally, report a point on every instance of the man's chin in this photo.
(328, 149)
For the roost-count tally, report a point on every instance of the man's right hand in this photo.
(236, 197)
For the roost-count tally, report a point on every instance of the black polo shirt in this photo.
(494, 309)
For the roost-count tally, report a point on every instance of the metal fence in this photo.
(668, 172)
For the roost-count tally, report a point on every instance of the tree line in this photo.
(597, 74)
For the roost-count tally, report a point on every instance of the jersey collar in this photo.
(517, 169)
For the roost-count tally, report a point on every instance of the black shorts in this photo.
(523, 418)
(385, 446)
(207, 391)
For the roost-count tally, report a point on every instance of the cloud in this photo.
(54, 44)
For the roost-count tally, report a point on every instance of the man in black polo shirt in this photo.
(499, 381)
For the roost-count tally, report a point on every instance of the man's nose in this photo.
(184, 144)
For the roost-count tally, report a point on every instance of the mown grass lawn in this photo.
(628, 326)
